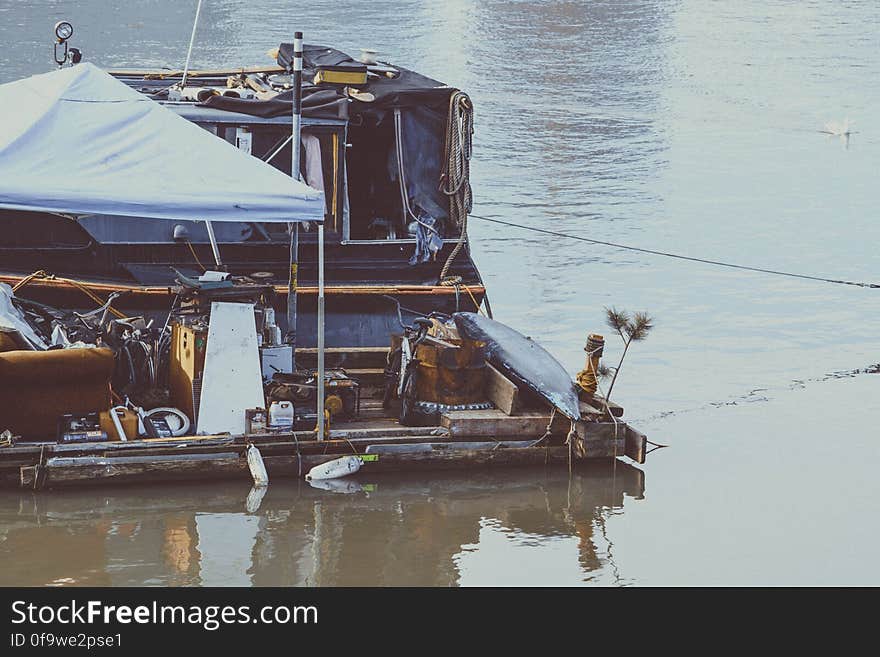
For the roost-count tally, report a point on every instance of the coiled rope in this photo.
(678, 256)
(455, 181)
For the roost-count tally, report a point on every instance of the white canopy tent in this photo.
(77, 141)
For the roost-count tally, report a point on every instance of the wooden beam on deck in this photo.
(636, 445)
(599, 402)
(494, 422)
(91, 471)
(501, 391)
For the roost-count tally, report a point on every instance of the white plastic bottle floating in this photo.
(255, 498)
(344, 486)
(334, 469)
(257, 467)
(281, 415)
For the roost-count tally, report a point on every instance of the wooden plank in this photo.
(395, 430)
(636, 445)
(597, 448)
(159, 73)
(599, 403)
(467, 459)
(306, 447)
(157, 460)
(406, 448)
(24, 449)
(603, 438)
(494, 422)
(147, 471)
(368, 378)
(213, 444)
(589, 409)
(345, 357)
(15, 462)
(501, 391)
(156, 471)
(281, 290)
(114, 461)
(112, 446)
(389, 429)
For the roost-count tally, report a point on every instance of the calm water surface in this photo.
(694, 127)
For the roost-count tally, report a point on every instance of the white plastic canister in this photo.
(281, 415)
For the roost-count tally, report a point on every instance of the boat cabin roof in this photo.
(201, 114)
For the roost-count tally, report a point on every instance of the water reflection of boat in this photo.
(400, 529)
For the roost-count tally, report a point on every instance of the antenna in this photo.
(296, 129)
(192, 40)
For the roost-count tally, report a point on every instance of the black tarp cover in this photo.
(407, 89)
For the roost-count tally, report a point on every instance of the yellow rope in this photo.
(81, 287)
(474, 299)
(193, 251)
(27, 279)
(457, 281)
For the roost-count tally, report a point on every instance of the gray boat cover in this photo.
(523, 360)
(77, 141)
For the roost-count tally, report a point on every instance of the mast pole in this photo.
(296, 129)
(321, 331)
(192, 40)
(296, 82)
(215, 247)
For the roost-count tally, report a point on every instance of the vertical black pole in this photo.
(296, 127)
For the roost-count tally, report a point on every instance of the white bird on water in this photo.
(839, 129)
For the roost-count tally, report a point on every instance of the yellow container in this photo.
(127, 418)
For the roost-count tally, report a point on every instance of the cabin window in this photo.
(381, 207)
(322, 164)
(25, 231)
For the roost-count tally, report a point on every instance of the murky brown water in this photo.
(685, 126)
(400, 530)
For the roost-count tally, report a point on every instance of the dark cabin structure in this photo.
(381, 151)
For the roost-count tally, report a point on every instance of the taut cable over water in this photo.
(678, 256)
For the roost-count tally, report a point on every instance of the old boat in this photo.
(382, 153)
(144, 337)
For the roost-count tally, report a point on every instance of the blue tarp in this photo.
(77, 141)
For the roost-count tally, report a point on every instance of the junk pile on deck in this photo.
(92, 396)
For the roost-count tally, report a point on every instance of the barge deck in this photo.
(504, 436)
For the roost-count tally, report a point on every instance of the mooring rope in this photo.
(679, 256)
(196, 257)
(455, 181)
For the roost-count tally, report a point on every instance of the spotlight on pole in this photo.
(63, 53)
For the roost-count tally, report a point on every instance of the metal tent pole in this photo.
(214, 246)
(296, 129)
(292, 283)
(321, 331)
